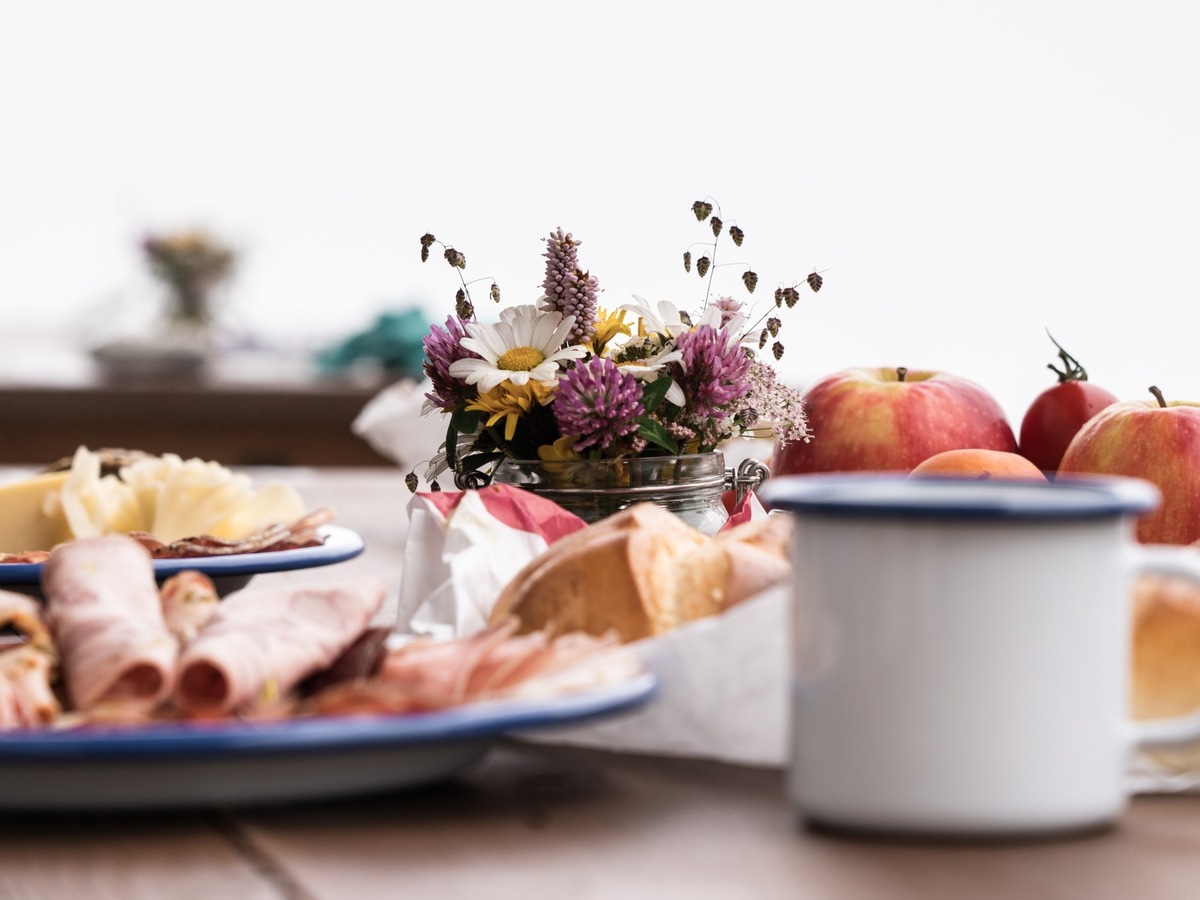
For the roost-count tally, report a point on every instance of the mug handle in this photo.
(1163, 559)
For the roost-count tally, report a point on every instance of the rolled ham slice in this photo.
(28, 662)
(104, 608)
(26, 698)
(27, 617)
(262, 641)
(189, 600)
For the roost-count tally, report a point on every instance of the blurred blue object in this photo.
(394, 341)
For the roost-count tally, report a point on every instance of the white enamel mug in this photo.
(962, 651)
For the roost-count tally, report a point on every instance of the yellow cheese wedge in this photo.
(169, 497)
(24, 522)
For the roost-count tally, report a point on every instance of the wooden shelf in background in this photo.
(236, 425)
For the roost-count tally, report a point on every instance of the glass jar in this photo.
(689, 486)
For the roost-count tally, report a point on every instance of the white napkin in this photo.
(393, 425)
(722, 691)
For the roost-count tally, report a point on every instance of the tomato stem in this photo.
(1071, 370)
(901, 371)
(1158, 395)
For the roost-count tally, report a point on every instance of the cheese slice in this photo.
(25, 522)
(166, 496)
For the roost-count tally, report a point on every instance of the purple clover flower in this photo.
(568, 288)
(715, 368)
(598, 402)
(442, 347)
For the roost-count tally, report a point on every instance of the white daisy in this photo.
(666, 319)
(660, 318)
(523, 345)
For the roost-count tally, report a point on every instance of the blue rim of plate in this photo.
(175, 740)
(340, 544)
(900, 496)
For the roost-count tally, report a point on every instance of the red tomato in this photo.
(1058, 412)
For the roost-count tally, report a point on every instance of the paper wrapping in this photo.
(392, 424)
(463, 548)
(722, 680)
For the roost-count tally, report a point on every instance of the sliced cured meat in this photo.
(428, 674)
(27, 618)
(506, 663)
(189, 600)
(262, 641)
(438, 673)
(530, 658)
(26, 697)
(303, 532)
(28, 664)
(361, 659)
(419, 675)
(104, 609)
(573, 662)
(25, 556)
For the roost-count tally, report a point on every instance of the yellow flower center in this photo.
(520, 359)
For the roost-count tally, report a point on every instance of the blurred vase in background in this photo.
(174, 335)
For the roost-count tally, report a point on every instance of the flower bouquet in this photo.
(565, 380)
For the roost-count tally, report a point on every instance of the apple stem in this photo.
(901, 371)
(1158, 395)
(1071, 370)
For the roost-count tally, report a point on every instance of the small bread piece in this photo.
(1166, 647)
(641, 515)
(757, 553)
(1166, 658)
(640, 572)
(591, 588)
(643, 572)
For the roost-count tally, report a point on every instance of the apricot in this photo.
(979, 465)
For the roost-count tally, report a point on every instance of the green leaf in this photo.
(452, 445)
(656, 434)
(461, 422)
(465, 421)
(655, 392)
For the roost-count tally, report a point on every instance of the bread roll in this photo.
(758, 556)
(641, 573)
(1166, 647)
(1166, 657)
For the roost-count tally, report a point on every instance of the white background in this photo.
(967, 174)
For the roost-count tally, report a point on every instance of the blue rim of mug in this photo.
(897, 495)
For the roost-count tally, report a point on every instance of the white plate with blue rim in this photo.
(228, 573)
(165, 765)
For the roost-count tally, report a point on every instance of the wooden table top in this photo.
(537, 821)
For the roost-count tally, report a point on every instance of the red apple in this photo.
(1154, 440)
(891, 420)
